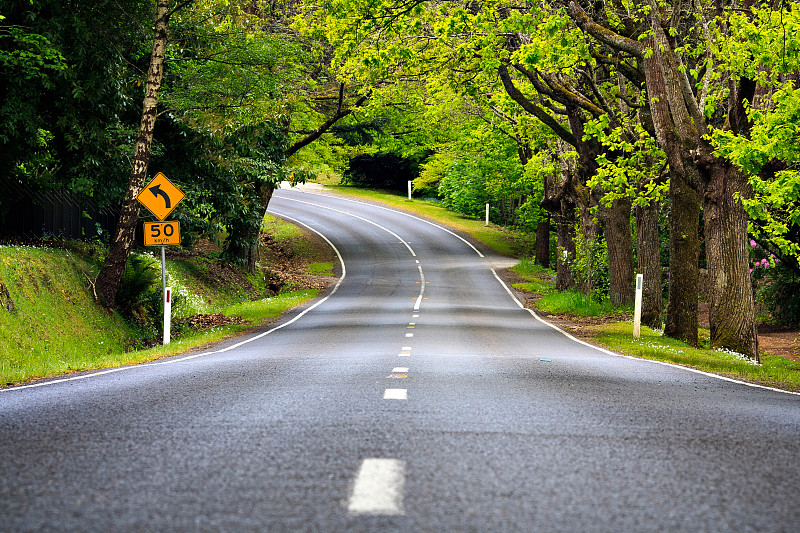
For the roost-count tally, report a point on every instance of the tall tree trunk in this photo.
(731, 302)
(617, 226)
(649, 255)
(684, 256)
(110, 276)
(565, 231)
(244, 248)
(684, 220)
(589, 233)
(543, 241)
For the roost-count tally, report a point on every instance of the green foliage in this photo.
(29, 55)
(778, 289)
(632, 166)
(139, 298)
(69, 90)
(431, 174)
(463, 189)
(764, 46)
(590, 266)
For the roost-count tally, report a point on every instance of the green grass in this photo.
(56, 326)
(257, 313)
(577, 303)
(773, 371)
(321, 269)
(279, 229)
(538, 280)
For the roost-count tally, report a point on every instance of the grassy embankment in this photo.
(613, 333)
(52, 325)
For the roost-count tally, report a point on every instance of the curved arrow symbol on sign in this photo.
(156, 190)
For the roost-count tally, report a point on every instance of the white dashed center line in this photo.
(395, 394)
(378, 489)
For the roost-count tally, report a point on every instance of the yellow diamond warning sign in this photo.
(160, 196)
(165, 233)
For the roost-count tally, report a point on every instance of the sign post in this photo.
(167, 312)
(160, 197)
(637, 306)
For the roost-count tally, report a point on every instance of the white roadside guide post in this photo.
(167, 295)
(487, 214)
(160, 197)
(409, 190)
(637, 306)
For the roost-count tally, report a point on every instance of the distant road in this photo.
(417, 396)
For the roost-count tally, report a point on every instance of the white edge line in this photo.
(203, 354)
(421, 290)
(343, 198)
(615, 354)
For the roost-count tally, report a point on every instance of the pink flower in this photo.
(765, 263)
(751, 270)
(753, 243)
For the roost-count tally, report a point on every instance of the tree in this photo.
(110, 275)
(698, 177)
(66, 87)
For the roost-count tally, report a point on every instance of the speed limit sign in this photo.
(164, 233)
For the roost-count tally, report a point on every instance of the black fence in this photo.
(27, 213)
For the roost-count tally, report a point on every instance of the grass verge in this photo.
(50, 323)
(773, 371)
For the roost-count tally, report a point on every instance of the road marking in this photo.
(378, 489)
(395, 394)
(387, 230)
(400, 369)
(403, 213)
(409, 334)
(397, 376)
(414, 316)
(406, 348)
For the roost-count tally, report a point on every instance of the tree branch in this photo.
(340, 114)
(532, 108)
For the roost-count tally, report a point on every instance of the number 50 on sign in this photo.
(163, 233)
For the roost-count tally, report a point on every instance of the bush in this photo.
(139, 297)
(780, 287)
(590, 267)
(463, 189)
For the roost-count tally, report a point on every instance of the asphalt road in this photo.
(419, 396)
